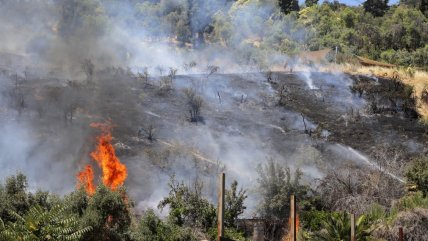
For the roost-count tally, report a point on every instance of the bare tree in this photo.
(88, 67)
(160, 69)
(212, 69)
(144, 77)
(283, 93)
(189, 66)
(165, 85)
(171, 75)
(195, 103)
(148, 132)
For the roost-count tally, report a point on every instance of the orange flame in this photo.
(86, 179)
(114, 173)
(288, 236)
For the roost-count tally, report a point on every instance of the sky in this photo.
(355, 2)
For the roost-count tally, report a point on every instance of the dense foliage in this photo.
(397, 34)
(109, 215)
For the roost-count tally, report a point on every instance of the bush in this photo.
(152, 228)
(418, 174)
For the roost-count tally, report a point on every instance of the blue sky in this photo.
(354, 2)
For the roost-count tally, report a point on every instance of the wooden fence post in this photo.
(352, 227)
(293, 231)
(220, 210)
(400, 234)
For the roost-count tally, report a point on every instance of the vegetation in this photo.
(336, 226)
(253, 28)
(253, 31)
(108, 215)
(395, 34)
(276, 184)
(418, 174)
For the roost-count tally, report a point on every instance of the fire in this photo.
(86, 179)
(288, 236)
(114, 172)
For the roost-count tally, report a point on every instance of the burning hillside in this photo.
(193, 88)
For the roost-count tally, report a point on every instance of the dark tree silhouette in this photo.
(376, 7)
(288, 6)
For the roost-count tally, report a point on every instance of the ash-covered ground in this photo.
(308, 120)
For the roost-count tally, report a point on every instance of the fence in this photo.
(293, 217)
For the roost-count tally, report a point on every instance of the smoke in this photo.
(46, 133)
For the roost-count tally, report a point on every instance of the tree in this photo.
(107, 212)
(187, 207)
(88, 67)
(234, 204)
(288, 6)
(16, 187)
(310, 3)
(194, 103)
(85, 17)
(275, 186)
(43, 225)
(422, 5)
(376, 7)
(418, 174)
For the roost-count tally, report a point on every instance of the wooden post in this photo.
(400, 234)
(352, 227)
(293, 231)
(220, 209)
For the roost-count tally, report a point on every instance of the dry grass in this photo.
(416, 78)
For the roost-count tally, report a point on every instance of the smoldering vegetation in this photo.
(189, 111)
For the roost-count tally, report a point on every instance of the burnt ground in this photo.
(320, 121)
(386, 112)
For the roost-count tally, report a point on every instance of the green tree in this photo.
(418, 174)
(14, 197)
(376, 7)
(275, 186)
(310, 3)
(82, 16)
(107, 212)
(288, 6)
(421, 5)
(234, 204)
(187, 207)
(39, 224)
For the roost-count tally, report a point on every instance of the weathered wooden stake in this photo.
(400, 234)
(352, 227)
(293, 231)
(220, 210)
